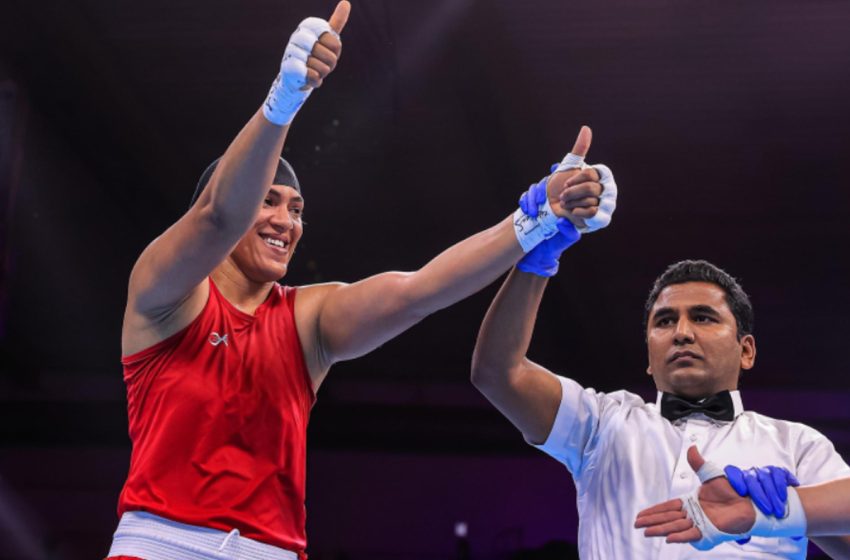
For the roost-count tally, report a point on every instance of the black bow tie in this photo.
(719, 407)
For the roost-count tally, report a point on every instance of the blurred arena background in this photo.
(727, 126)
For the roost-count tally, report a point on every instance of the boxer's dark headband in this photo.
(284, 175)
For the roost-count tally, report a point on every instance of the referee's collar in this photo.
(736, 402)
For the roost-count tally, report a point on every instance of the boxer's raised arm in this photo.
(173, 266)
(351, 320)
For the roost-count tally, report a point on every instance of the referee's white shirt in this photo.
(624, 457)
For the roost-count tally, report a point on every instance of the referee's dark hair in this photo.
(703, 271)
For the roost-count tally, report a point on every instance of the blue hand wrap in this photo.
(532, 199)
(766, 486)
(543, 259)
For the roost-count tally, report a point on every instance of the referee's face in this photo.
(692, 339)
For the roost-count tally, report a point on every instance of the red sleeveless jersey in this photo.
(218, 419)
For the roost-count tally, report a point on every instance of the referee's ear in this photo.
(748, 351)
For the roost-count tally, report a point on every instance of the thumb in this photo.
(582, 144)
(340, 16)
(695, 460)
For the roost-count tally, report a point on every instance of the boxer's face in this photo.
(264, 252)
(692, 341)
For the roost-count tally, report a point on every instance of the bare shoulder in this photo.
(142, 330)
(312, 298)
(309, 302)
(311, 295)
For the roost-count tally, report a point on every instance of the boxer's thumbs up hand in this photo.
(585, 195)
(570, 172)
(311, 54)
(327, 50)
(582, 145)
(340, 16)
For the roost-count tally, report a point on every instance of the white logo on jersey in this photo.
(215, 339)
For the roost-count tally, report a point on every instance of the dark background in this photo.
(726, 126)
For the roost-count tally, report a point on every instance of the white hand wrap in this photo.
(531, 231)
(286, 95)
(607, 201)
(571, 161)
(608, 198)
(793, 524)
(711, 535)
(709, 471)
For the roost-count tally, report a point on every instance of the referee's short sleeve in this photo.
(575, 426)
(818, 460)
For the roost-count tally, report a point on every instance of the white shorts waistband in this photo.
(152, 537)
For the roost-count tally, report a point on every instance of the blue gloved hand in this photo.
(766, 486)
(532, 199)
(543, 259)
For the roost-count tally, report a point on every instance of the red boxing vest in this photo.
(218, 419)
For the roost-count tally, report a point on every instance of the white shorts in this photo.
(149, 536)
